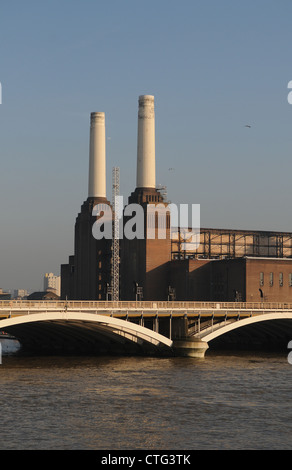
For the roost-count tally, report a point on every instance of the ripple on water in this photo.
(222, 402)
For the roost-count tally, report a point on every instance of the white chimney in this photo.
(146, 143)
(97, 165)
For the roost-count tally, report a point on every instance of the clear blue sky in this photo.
(212, 66)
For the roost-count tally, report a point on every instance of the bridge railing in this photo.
(159, 305)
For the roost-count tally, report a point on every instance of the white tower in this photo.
(146, 143)
(97, 164)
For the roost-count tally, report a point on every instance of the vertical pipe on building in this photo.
(97, 163)
(146, 143)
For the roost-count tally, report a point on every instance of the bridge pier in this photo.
(190, 347)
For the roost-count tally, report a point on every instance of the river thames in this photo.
(224, 401)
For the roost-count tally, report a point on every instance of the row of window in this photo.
(271, 279)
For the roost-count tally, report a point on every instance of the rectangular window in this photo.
(290, 279)
(261, 279)
(281, 279)
(271, 279)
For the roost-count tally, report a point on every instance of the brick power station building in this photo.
(224, 265)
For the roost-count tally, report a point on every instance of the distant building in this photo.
(52, 282)
(4, 295)
(20, 294)
(47, 295)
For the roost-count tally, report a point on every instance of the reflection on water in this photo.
(225, 401)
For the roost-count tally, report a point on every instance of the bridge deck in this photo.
(198, 315)
(132, 305)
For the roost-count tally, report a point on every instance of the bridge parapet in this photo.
(108, 305)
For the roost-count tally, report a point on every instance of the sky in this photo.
(213, 67)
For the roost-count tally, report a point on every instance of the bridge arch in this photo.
(274, 327)
(69, 331)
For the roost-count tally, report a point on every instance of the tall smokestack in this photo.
(97, 174)
(146, 143)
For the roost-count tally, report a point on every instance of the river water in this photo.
(224, 401)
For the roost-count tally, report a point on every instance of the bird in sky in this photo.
(247, 125)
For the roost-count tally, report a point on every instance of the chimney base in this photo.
(145, 196)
